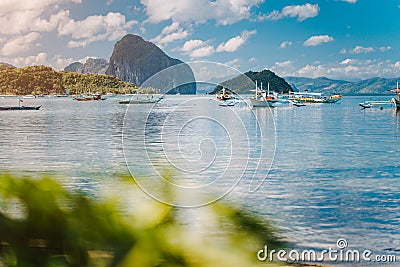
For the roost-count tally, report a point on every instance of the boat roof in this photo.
(306, 93)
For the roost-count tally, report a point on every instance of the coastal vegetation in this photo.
(44, 80)
(43, 224)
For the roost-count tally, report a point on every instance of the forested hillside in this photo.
(44, 80)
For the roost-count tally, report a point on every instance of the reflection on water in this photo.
(334, 175)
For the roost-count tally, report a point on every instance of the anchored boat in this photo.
(392, 103)
(20, 107)
(263, 98)
(307, 97)
(89, 97)
(141, 99)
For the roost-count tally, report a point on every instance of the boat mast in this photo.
(397, 90)
(268, 90)
(256, 97)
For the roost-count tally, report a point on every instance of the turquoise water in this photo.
(333, 169)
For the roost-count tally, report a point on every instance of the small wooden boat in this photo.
(224, 95)
(142, 99)
(96, 97)
(227, 103)
(377, 104)
(299, 104)
(396, 102)
(20, 107)
(392, 103)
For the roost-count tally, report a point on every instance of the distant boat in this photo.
(227, 103)
(377, 104)
(19, 107)
(299, 104)
(224, 95)
(263, 98)
(307, 97)
(392, 103)
(29, 96)
(395, 101)
(89, 97)
(141, 99)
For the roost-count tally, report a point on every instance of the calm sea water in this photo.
(333, 170)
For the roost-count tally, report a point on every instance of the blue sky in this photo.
(339, 39)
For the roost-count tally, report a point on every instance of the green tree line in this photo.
(44, 80)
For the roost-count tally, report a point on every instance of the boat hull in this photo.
(20, 108)
(261, 103)
(316, 100)
(396, 102)
(380, 104)
(139, 101)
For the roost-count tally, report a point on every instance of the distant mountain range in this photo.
(92, 65)
(329, 86)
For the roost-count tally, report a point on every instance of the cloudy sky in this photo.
(343, 39)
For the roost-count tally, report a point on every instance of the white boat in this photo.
(307, 97)
(28, 97)
(395, 101)
(392, 103)
(142, 99)
(263, 98)
(227, 103)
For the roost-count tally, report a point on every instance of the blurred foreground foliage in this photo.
(43, 224)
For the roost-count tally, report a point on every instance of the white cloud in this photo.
(350, 1)
(234, 43)
(347, 69)
(59, 62)
(19, 16)
(170, 34)
(197, 48)
(302, 12)
(20, 44)
(191, 45)
(385, 48)
(346, 61)
(39, 59)
(317, 40)
(222, 11)
(234, 63)
(204, 51)
(95, 28)
(362, 50)
(285, 44)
